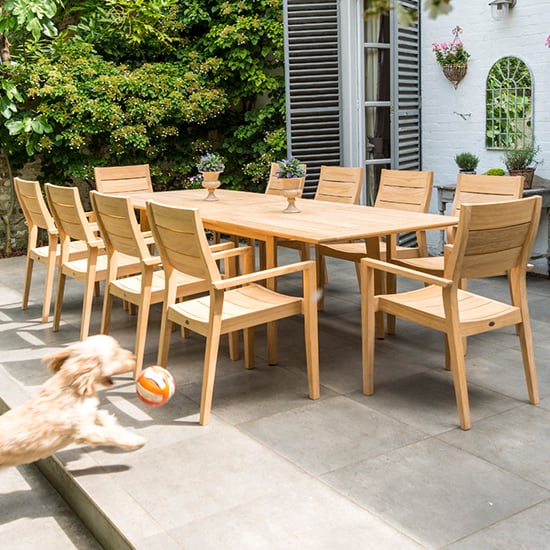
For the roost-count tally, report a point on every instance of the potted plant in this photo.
(290, 168)
(467, 162)
(452, 58)
(291, 175)
(211, 166)
(496, 172)
(519, 162)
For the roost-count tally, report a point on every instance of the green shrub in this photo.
(496, 172)
(466, 161)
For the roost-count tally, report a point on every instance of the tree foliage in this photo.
(130, 81)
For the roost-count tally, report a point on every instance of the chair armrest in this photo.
(221, 246)
(406, 272)
(152, 261)
(263, 275)
(229, 252)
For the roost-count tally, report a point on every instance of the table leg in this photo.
(442, 208)
(373, 251)
(271, 283)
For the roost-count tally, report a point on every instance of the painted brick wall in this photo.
(444, 134)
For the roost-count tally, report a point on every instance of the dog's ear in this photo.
(77, 369)
(55, 360)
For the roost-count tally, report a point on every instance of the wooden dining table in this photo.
(260, 216)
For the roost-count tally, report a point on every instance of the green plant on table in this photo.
(521, 158)
(211, 162)
(290, 168)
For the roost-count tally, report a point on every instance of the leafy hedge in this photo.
(132, 81)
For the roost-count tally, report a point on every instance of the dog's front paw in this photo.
(131, 442)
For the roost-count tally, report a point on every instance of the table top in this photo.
(257, 215)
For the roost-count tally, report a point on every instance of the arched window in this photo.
(509, 105)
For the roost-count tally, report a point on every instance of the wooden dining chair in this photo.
(491, 239)
(232, 304)
(471, 189)
(123, 238)
(336, 184)
(73, 224)
(407, 190)
(116, 180)
(38, 216)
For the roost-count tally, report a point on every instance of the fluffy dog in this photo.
(65, 411)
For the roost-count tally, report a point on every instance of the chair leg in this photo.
(458, 368)
(27, 287)
(87, 305)
(311, 336)
(58, 300)
(141, 331)
(164, 339)
(391, 288)
(107, 310)
(48, 286)
(526, 342)
(368, 332)
(209, 372)
(248, 336)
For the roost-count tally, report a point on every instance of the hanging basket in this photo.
(455, 73)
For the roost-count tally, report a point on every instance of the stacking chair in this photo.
(471, 189)
(72, 223)
(120, 231)
(37, 216)
(491, 239)
(399, 190)
(232, 304)
(337, 184)
(116, 180)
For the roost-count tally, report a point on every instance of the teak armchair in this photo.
(232, 304)
(72, 223)
(491, 239)
(471, 189)
(37, 216)
(407, 190)
(120, 231)
(337, 184)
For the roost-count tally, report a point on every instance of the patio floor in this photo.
(275, 470)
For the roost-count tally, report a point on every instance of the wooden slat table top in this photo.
(257, 215)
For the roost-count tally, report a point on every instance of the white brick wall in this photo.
(444, 134)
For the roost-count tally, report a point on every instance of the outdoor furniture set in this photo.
(167, 259)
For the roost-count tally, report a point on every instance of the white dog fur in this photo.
(65, 411)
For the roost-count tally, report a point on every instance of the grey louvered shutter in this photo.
(406, 154)
(312, 85)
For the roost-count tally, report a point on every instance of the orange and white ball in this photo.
(155, 386)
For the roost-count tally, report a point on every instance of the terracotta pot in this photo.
(527, 174)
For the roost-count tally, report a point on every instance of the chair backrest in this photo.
(493, 238)
(339, 184)
(476, 189)
(273, 185)
(68, 212)
(123, 179)
(181, 241)
(409, 190)
(33, 205)
(118, 225)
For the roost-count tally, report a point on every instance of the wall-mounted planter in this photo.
(455, 73)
